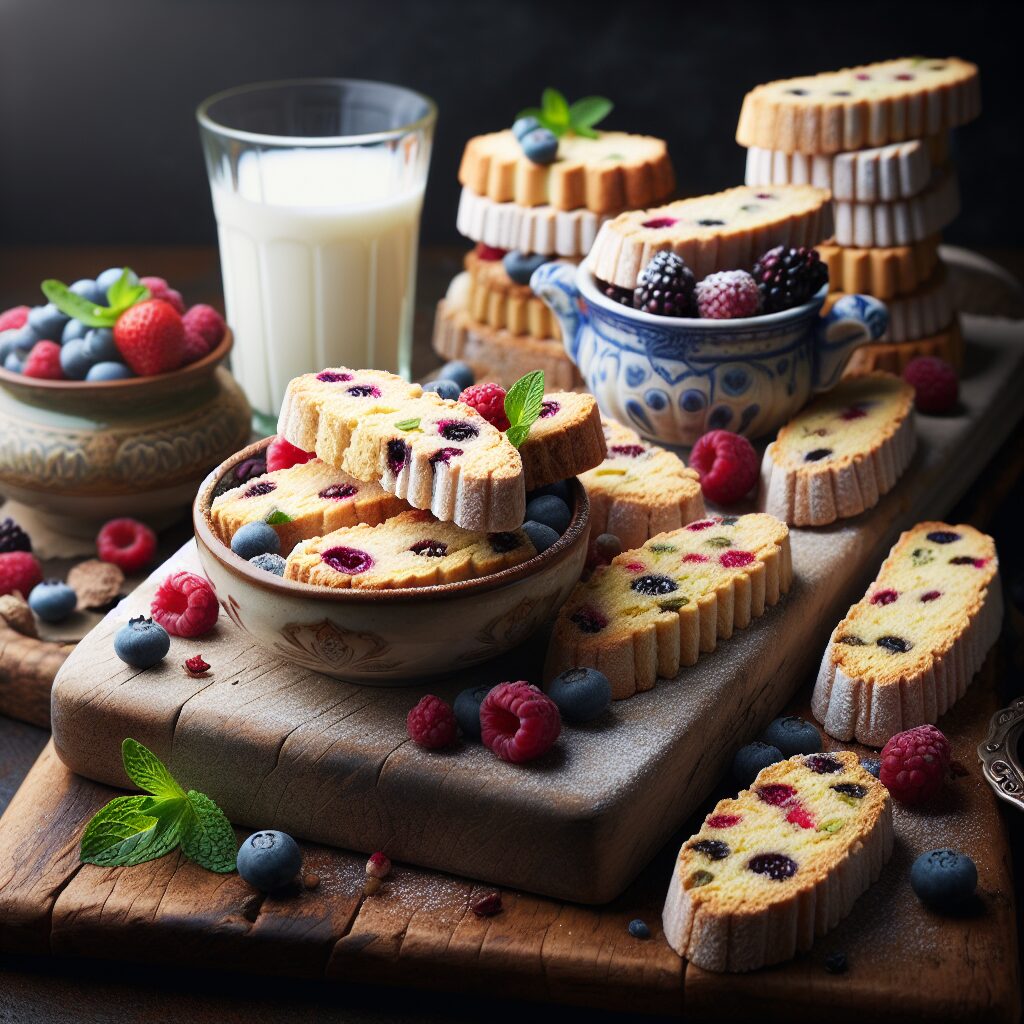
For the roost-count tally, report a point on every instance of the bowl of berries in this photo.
(676, 357)
(114, 401)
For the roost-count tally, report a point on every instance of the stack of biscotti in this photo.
(521, 213)
(877, 137)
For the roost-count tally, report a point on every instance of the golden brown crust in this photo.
(881, 272)
(497, 301)
(892, 357)
(565, 441)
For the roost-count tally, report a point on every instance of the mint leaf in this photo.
(131, 830)
(148, 772)
(277, 517)
(555, 108)
(413, 423)
(75, 306)
(531, 112)
(585, 113)
(119, 290)
(208, 837)
(522, 405)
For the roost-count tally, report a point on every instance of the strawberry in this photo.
(151, 337)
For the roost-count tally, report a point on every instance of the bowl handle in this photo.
(853, 321)
(555, 283)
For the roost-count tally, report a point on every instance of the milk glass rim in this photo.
(315, 141)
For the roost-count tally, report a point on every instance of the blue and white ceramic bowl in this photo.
(675, 379)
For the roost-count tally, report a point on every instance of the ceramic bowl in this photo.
(81, 453)
(390, 637)
(674, 379)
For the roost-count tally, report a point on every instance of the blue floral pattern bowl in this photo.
(675, 379)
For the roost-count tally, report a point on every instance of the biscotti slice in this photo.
(497, 301)
(892, 357)
(543, 230)
(906, 652)
(615, 171)
(871, 105)
(779, 864)
(840, 453)
(902, 221)
(724, 231)
(657, 607)
(881, 272)
(640, 490)
(310, 500)
(925, 311)
(413, 549)
(436, 454)
(565, 440)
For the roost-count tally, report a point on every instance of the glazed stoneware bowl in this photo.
(389, 637)
(674, 379)
(81, 453)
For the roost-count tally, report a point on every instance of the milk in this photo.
(318, 256)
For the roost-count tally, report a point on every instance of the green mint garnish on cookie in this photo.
(276, 518)
(122, 294)
(413, 423)
(523, 404)
(561, 117)
(135, 829)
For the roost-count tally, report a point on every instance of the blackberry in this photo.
(13, 537)
(666, 286)
(788, 277)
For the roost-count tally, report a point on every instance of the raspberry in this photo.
(44, 361)
(160, 289)
(728, 295)
(127, 543)
(195, 346)
(281, 454)
(431, 723)
(934, 382)
(665, 286)
(788, 277)
(11, 319)
(379, 865)
(185, 605)
(727, 464)
(490, 253)
(489, 401)
(207, 322)
(914, 764)
(518, 722)
(19, 572)
(196, 666)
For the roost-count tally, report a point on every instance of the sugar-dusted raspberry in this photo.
(488, 400)
(11, 319)
(185, 605)
(126, 543)
(282, 454)
(19, 572)
(518, 722)
(44, 361)
(915, 763)
(727, 464)
(431, 723)
(934, 382)
(728, 295)
(160, 289)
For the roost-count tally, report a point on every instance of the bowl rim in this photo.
(113, 387)
(585, 281)
(239, 567)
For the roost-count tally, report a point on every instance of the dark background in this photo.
(98, 141)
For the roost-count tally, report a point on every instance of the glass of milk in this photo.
(317, 188)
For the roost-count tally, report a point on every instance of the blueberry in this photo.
(524, 125)
(444, 388)
(749, 760)
(75, 360)
(872, 765)
(459, 372)
(73, 329)
(141, 643)
(91, 290)
(550, 511)
(14, 362)
(109, 371)
(269, 860)
(109, 278)
(269, 562)
(47, 321)
(944, 879)
(52, 600)
(255, 539)
(792, 735)
(582, 694)
(540, 146)
(467, 710)
(101, 345)
(9, 342)
(21, 337)
(520, 265)
(638, 929)
(561, 489)
(542, 536)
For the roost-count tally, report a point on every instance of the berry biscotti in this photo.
(565, 440)
(892, 357)
(906, 652)
(724, 231)
(881, 272)
(497, 301)
(434, 453)
(837, 456)
(311, 499)
(640, 490)
(413, 549)
(779, 864)
(657, 607)
(871, 105)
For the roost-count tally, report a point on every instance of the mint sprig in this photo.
(561, 117)
(523, 404)
(124, 292)
(275, 517)
(135, 829)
